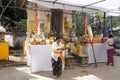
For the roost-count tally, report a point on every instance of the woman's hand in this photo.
(65, 47)
(59, 49)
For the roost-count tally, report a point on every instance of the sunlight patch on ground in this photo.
(35, 76)
(87, 77)
(39, 77)
(24, 69)
(13, 58)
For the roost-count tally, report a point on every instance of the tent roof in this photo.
(89, 6)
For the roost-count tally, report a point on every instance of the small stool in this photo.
(69, 61)
(110, 57)
(83, 60)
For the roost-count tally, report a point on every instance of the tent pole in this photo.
(93, 53)
(55, 1)
(85, 32)
(104, 28)
(111, 24)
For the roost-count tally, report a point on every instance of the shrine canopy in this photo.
(111, 7)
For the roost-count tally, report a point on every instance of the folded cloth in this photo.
(110, 45)
(62, 57)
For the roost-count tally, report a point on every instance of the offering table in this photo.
(100, 52)
(39, 57)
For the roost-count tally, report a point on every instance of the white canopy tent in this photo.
(115, 12)
(112, 7)
(90, 6)
(115, 28)
(62, 4)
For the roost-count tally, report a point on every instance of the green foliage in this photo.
(100, 14)
(15, 14)
(116, 21)
(90, 20)
(17, 45)
(21, 28)
(78, 19)
(13, 19)
(16, 27)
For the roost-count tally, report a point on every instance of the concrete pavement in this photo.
(101, 72)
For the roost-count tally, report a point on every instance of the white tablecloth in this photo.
(39, 57)
(100, 52)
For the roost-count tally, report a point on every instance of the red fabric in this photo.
(62, 57)
(110, 55)
(103, 40)
(85, 24)
(35, 22)
(110, 45)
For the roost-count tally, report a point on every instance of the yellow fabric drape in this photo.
(90, 34)
(79, 49)
(67, 26)
(30, 24)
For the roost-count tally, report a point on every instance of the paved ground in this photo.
(17, 70)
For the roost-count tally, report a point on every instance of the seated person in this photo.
(72, 49)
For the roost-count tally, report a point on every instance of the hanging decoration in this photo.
(66, 28)
(35, 22)
(85, 24)
(90, 34)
